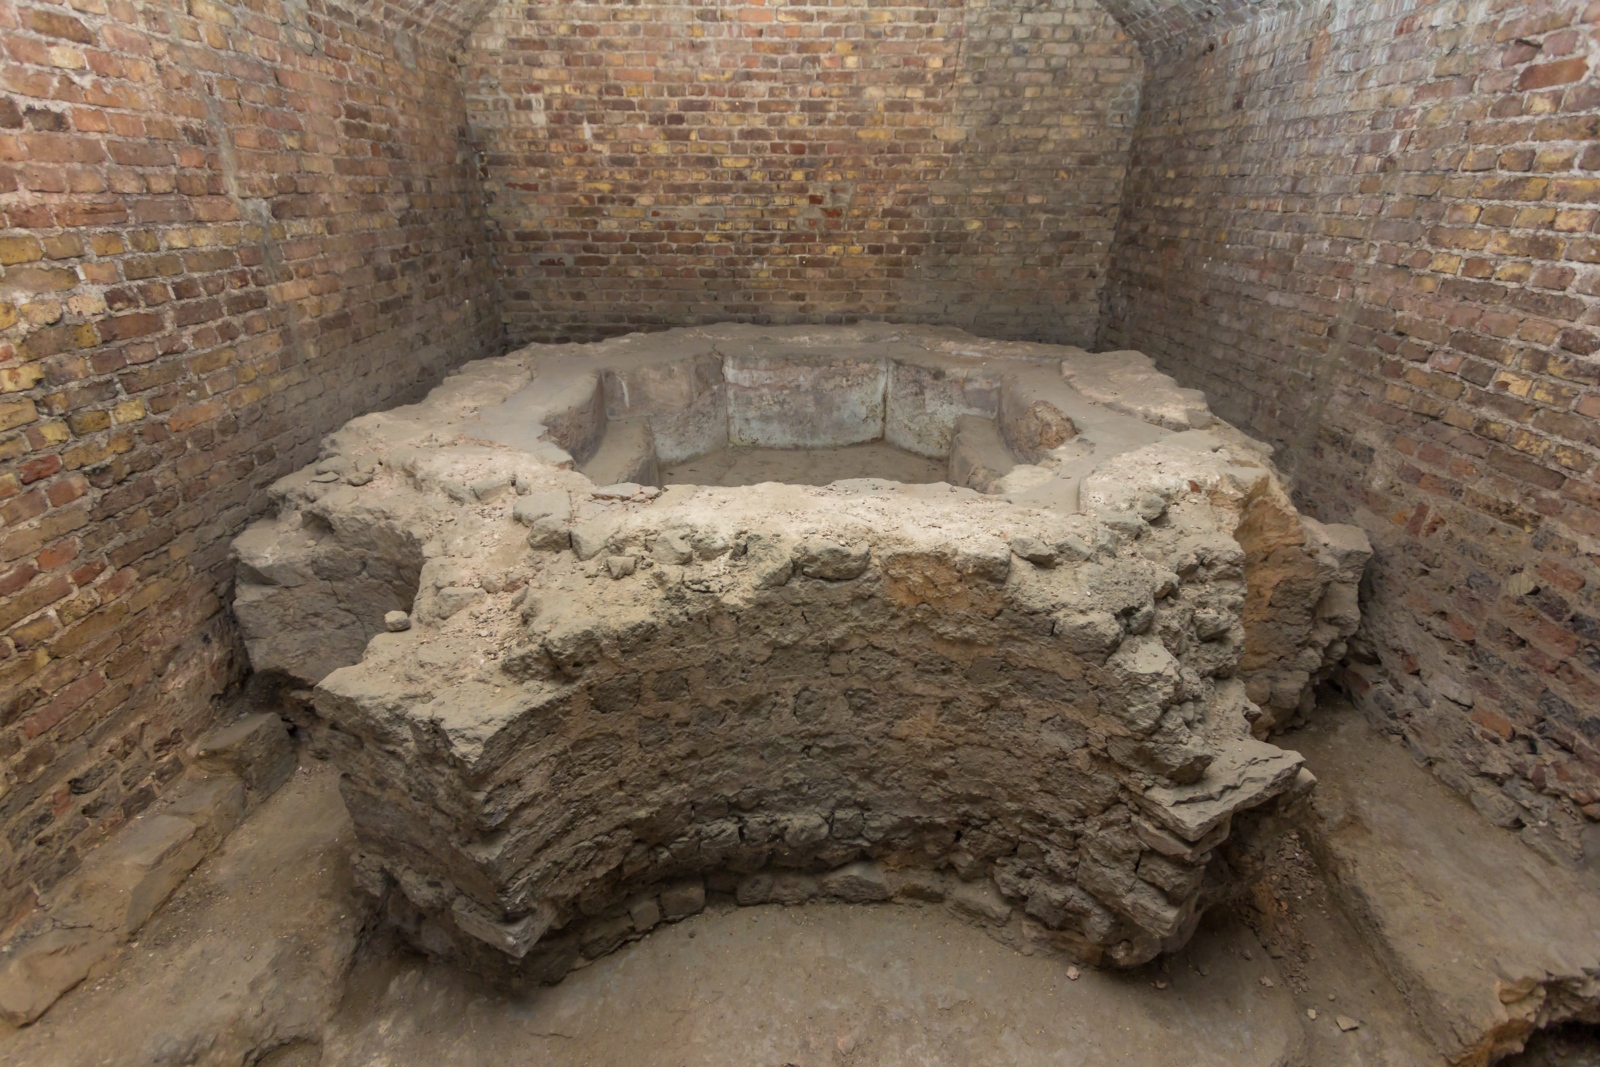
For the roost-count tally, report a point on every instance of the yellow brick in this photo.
(16, 379)
(86, 304)
(1571, 458)
(1580, 189)
(87, 422)
(64, 246)
(1574, 220)
(54, 432)
(42, 312)
(64, 57)
(1554, 395)
(1515, 384)
(84, 455)
(19, 250)
(8, 315)
(15, 413)
(128, 411)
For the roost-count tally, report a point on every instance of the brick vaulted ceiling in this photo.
(1153, 23)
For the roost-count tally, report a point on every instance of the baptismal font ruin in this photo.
(569, 701)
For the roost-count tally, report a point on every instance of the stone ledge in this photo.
(124, 881)
(1487, 940)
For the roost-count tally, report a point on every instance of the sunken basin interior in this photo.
(733, 466)
(888, 614)
(772, 409)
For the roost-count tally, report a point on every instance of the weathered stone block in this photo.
(255, 749)
(35, 973)
(129, 877)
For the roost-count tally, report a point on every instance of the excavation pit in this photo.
(1037, 689)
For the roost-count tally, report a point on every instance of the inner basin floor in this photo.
(735, 466)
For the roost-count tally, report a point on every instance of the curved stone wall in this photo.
(607, 701)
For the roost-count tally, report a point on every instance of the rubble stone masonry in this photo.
(1370, 231)
(678, 162)
(224, 230)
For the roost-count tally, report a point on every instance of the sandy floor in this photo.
(805, 466)
(255, 962)
(830, 984)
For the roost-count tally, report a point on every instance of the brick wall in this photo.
(1368, 229)
(684, 161)
(226, 230)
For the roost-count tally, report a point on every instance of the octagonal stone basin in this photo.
(1037, 691)
(624, 414)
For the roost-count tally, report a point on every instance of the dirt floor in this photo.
(805, 466)
(829, 984)
(260, 959)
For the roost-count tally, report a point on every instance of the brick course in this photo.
(225, 229)
(683, 161)
(1369, 231)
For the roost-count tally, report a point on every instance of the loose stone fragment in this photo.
(819, 558)
(857, 883)
(1035, 551)
(645, 913)
(619, 491)
(529, 509)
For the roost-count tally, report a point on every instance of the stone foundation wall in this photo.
(226, 230)
(680, 162)
(1368, 231)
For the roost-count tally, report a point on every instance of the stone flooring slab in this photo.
(1486, 939)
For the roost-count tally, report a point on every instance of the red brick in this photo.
(124, 327)
(39, 467)
(65, 703)
(1504, 465)
(16, 578)
(1548, 74)
(107, 157)
(56, 24)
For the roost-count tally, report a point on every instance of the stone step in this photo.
(247, 957)
(1486, 939)
(124, 881)
(627, 453)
